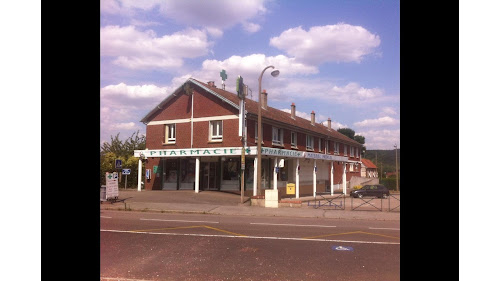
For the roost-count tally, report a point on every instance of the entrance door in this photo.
(208, 176)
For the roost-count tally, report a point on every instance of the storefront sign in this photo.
(236, 151)
(111, 185)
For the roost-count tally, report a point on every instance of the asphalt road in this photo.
(159, 246)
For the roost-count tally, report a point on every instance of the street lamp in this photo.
(259, 129)
(397, 176)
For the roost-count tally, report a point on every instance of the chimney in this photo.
(292, 111)
(211, 84)
(313, 118)
(264, 99)
(329, 124)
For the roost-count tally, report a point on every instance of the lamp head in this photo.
(275, 73)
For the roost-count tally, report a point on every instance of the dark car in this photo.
(371, 190)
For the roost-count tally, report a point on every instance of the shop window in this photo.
(216, 130)
(230, 170)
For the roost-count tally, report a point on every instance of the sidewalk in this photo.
(221, 203)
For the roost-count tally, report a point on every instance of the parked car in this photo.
(370, 190)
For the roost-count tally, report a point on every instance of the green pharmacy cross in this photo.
(223, 75)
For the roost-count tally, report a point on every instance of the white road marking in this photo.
(384, 228)
(177, 220)
(292, 224)
(105, 217)
(248, 237)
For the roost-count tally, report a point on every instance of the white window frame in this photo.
(351, 167)
(168, 133)
(357, 152)
(309, 142)
(327, 147)
(256, 132)
(345, 149)
(319, 144)
(336, 147)
(217, 137)
(352, 151)
(277, 132)
(293, 139)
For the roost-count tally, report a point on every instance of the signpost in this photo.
(126, 172)
(118, 163)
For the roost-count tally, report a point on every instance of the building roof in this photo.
(368, 164)
(269, 113)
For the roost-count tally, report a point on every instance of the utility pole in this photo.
(397, 176)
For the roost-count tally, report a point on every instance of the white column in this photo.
(331, 176)
(297, 185)
(314, 178)
(197, 176)
(139, 176)
(344, 186)
(275, 182)
(255, 176)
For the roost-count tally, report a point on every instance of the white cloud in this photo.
(125, 126)
(387, 111)
(135, 92)
(380, 122)
(145, 50)
(381, 139)
(144, 23)
(251, 27)
(220, 14)
(330, 43)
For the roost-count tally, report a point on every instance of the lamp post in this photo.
(397, 176)
(259, 129)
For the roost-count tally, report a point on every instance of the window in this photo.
(336, 147)
(309, 142)
(293, 142)
(345, 149)
(277, 136)
(170, 133)
(352, 151)
(327, 150)
(216, 130)
(319, 145)
(351, 167)
(357, 152)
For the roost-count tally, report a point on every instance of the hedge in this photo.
(390, 183)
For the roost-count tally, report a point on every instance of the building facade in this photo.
(368, 169)
(194, 142)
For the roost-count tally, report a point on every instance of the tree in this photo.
(359, 139)
(124, 151)
(347, 132)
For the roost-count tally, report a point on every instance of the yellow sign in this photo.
(290, 188)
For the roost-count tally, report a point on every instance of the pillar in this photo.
(139, 176)
(197, 176)
(344, 186)
(331, 181)
(314, 178)
(275, 175)
(255, 176)
(297, 190)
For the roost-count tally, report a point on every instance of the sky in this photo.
(340, 59)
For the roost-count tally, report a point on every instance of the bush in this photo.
(356, 187)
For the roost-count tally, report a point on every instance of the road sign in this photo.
(118, 163)
(126, 171)
(111, 185)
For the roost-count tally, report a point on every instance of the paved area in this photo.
(222, 203)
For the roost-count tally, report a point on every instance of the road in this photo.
(161, 246)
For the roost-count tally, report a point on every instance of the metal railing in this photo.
(366, 202)
(328, 201)
(397, 198)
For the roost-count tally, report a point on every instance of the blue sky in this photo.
(338, 58)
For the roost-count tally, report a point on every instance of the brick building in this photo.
(193, 143)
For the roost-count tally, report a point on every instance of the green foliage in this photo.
(359, 139)
(123, 150)
(384, 159)
(357, 187)
(347, 132)
(390, 183)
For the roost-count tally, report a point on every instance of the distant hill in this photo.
(384, 159)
